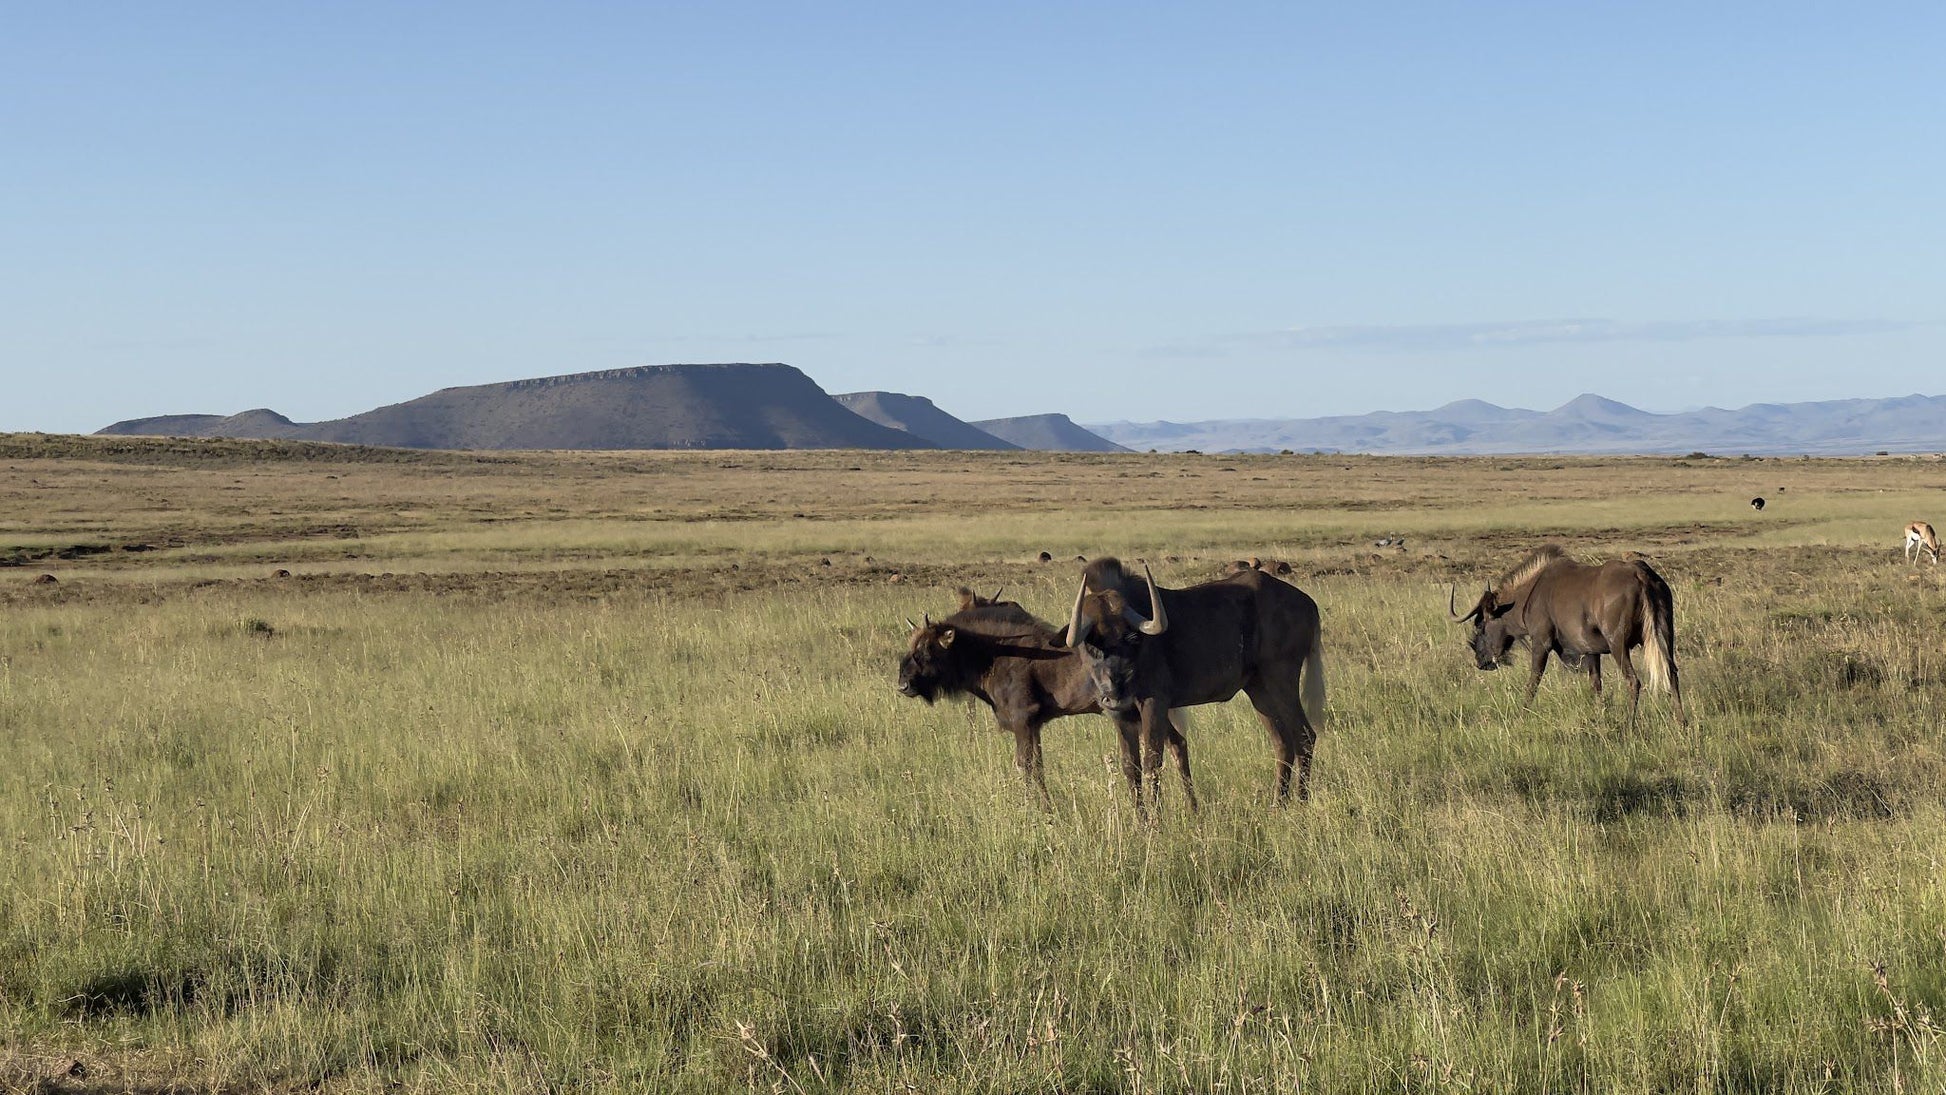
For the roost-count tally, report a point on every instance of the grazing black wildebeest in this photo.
(1021, 667)
(1149, 650)
(1757, 504)
(1579, 612)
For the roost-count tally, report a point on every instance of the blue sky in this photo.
(1119, 211)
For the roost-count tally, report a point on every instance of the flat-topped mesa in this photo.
(632, 372)
(703, 406)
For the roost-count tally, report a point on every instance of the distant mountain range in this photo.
(1585, 424)
(773, 406)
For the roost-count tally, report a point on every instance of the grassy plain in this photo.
(584, 772)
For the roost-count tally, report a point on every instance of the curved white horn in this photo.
(1076, 630)
(1161, 622)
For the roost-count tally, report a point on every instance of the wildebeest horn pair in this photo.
(914, 627)
(1078, 628)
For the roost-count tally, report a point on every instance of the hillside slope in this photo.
(917, 415)
(1048, 433)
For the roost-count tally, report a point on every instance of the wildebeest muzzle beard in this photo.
(1491, 651)
(1113, 678)
(916, 684)
(1487, 631)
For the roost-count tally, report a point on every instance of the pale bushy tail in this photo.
(1311, 686)
(1658, 640)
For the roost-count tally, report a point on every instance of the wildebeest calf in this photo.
(1021, 667)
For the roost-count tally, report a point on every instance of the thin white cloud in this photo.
(951, 342)
(806, 336)
(1182, 351)
(1459, 336)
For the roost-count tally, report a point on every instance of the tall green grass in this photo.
(266, 837)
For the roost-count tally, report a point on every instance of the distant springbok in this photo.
(1919, 537)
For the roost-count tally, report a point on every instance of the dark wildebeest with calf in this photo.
(1021, 667)
(1579, 612)
(1149, 650)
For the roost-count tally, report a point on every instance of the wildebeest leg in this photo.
(1027, 758)
(1537, 665)
(1129, 730)
(1291, 734)
(1675, 695)
(1179, 745)
(1157, 729)
(1634, 680)
(1594, 672)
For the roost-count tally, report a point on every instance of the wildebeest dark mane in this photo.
(1524, 571)
(1107, 575)
(1000, 622)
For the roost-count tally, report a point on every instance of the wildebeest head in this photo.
(1107, 631)
(1492, 636)
(929, 667)
(950, 656)
(1494, 631)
